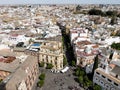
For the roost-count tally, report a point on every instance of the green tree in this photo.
(65, 61)
(81, 73)
(77, 72)
(116, 46)
(95, 66)
(49, 66)
(86, 82)
(86, 78)
(41, 64)
(42, 76)
(95, 12)
(80, 79)
(78, 8)
(111, 13)
(97, 87)
(73, 63)
(40, 83)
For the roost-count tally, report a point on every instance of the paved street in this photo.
(60, 81)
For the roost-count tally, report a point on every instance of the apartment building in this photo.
(85, 51)
(78, 33)
(107, 74)
(51, 52)
(21, 71)
(109, 81)
(47, 50)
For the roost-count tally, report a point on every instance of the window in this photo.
(104, 67)
(26, 82)
(103, 76)
(55, 58)
(107, 86)
(47, 60)
(109, 80)
(61, 66)
(29, 77)
(112, 88)
(55, 62)
(30, 83)
(116, 84)
(96, 78)
(101, 82)
(47, 57)
(98, 73)
(101, 65)
(116, 76)
(81, 62)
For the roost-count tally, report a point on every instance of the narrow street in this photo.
(68, 49)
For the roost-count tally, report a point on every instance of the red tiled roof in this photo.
(74, 31)
(112, 65)
(8, 59)
(84, 42)
(14, 35)
(95, 46)
(83, 54)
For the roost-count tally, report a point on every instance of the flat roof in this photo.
(10, 67)
(21, 73)
(116, 70)
(109, 76)
(56, 38)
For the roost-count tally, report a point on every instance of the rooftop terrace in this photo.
(7, 59)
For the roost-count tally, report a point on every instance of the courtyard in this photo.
(60, 81)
